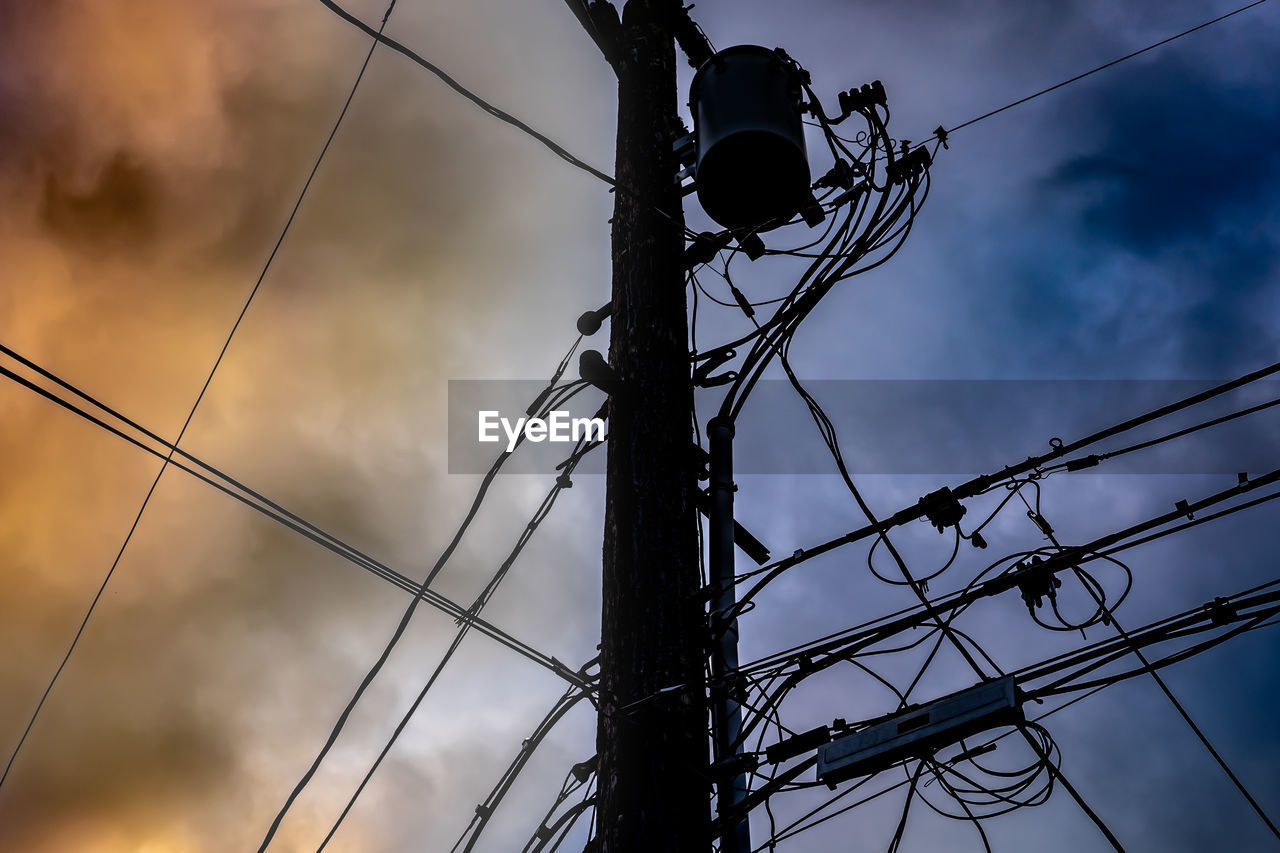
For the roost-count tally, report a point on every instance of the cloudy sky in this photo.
(1122, 228)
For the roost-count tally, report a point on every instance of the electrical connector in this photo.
(870, 95)
(1036, 581)
(704, 248)
(941, 508)
(910, 164)
(840, 175)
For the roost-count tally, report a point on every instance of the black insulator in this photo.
(594, 369)
(590, 321)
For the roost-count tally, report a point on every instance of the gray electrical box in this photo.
(921, 731)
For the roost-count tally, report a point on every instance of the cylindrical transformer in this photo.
(751, 163)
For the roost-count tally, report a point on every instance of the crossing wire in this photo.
(274, 511)
(194, 406)
(1177, 704)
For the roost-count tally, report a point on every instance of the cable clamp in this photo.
(1083, 462)
(703, 371)
(941, 508)
(1036, 581)
(840, 176)
(1185, 508)
(912, 163)
(1221, 611)
(583, 770)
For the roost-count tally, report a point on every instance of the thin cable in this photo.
(501, 115)
(986, 482)
(1081, 463)
(795, 828)
(1103, 67)
(486, 810)
(194, 406)
(376, 668)
(525, 536)
(1178, 706)
(400, 629)
(1070, 789)
(260, 503)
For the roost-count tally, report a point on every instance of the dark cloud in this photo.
(119, 208)
(1170, 153)
(1176, 166)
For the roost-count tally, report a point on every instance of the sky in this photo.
(1122, 228)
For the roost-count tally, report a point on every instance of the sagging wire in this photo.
(581, 777)
(562, 482)
(441, 561)
(1033, 468)
(485, 811)
(799, 825)
(1108, 617)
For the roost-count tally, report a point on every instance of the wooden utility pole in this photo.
(654, 789)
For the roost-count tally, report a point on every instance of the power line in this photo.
(500, 114)
(194, 406)
(820, 654)
(526, 534)
(887, 223)
(301, 526)
(1075, 795)
(1177, 705)
(1200, 735)
(1265, 605)
(485, 811)
(986, 482)
(468, 617)
(1079, 464)
(405, 619)
(1102, 67)
(774, 337)
(1225, 612)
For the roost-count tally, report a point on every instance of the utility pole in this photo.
(654, 789)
